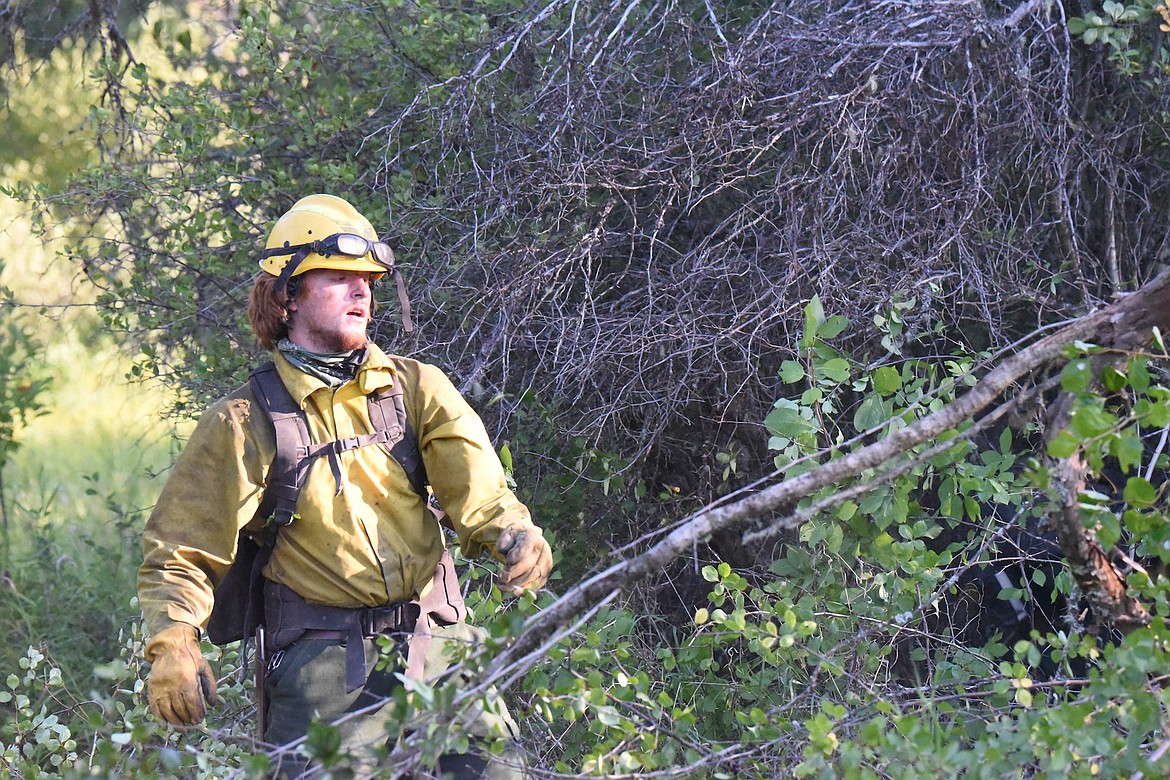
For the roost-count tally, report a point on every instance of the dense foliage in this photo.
(674, 251)
(632, 207)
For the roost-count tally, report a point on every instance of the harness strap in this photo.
(388, 413)
(334, 448)
(289, 617)
(403, 301)
(295, 450)
(289, 468)
(291, 267)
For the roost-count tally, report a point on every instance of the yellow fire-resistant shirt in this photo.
(373, 543)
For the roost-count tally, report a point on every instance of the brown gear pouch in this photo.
(443, 604)
(444, 601)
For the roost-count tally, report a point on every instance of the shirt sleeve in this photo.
(190, 538)
(462, 466)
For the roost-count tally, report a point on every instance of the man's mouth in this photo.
(357, 313)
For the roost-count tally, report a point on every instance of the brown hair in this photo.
(267, 311)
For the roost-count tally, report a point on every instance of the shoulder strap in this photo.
(295, 451)
(291, 464)
(387, 412)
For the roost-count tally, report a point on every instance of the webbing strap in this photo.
(291, 267)
(388, 413)
(334, 448)
(289, 469)
(295, 450)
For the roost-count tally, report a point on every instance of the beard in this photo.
(348, 341)
(333, 339)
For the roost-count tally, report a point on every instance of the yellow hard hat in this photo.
(324, 231)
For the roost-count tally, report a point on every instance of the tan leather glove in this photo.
(527, 558)
(181, 683)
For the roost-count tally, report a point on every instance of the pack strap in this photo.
(288, 469)
(388, 413)
(333, 449)
(296, 452)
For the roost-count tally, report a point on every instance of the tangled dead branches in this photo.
(635, 199)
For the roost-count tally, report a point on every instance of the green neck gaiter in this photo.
(332, 368)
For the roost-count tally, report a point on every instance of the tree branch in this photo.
(1124, 324)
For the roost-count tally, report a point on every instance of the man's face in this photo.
(331, 311)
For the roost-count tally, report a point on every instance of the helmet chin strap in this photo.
(403, 301)
(290, 268)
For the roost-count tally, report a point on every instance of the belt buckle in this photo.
(382, 620)
(393, 618)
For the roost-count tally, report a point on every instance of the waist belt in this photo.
(289, 617)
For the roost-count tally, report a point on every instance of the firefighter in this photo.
(361, 544)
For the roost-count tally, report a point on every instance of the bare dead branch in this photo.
(1098, 579)
(1123, 324)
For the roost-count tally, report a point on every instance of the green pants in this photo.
(306, 684)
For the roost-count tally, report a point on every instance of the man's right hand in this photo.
(181, 684)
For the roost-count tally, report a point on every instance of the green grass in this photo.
(78, 491)
(100, 434)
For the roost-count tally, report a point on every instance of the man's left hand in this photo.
(527, 558)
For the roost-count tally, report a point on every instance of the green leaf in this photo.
(814, 315)
(1063, 445)
(835, 370)
(1112, 379)
(1077, 375)
(1139, 375)
(887, 380)
(832, 327)
(1090, 421)
(1139, 492)
(322, 741)
(787, 421)
(873, 412)
(791, 372)
(1128, 450)
(811, 396)
(1108, 527)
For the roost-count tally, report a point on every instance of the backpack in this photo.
(239, 598)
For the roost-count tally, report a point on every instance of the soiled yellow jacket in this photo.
(373, 543)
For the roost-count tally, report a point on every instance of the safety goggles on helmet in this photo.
(339, 245)
(346, 244)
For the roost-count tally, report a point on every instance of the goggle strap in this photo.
(290, 268)
(403, 301)
(280, 250)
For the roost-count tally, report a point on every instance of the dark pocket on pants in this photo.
(308, 682)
